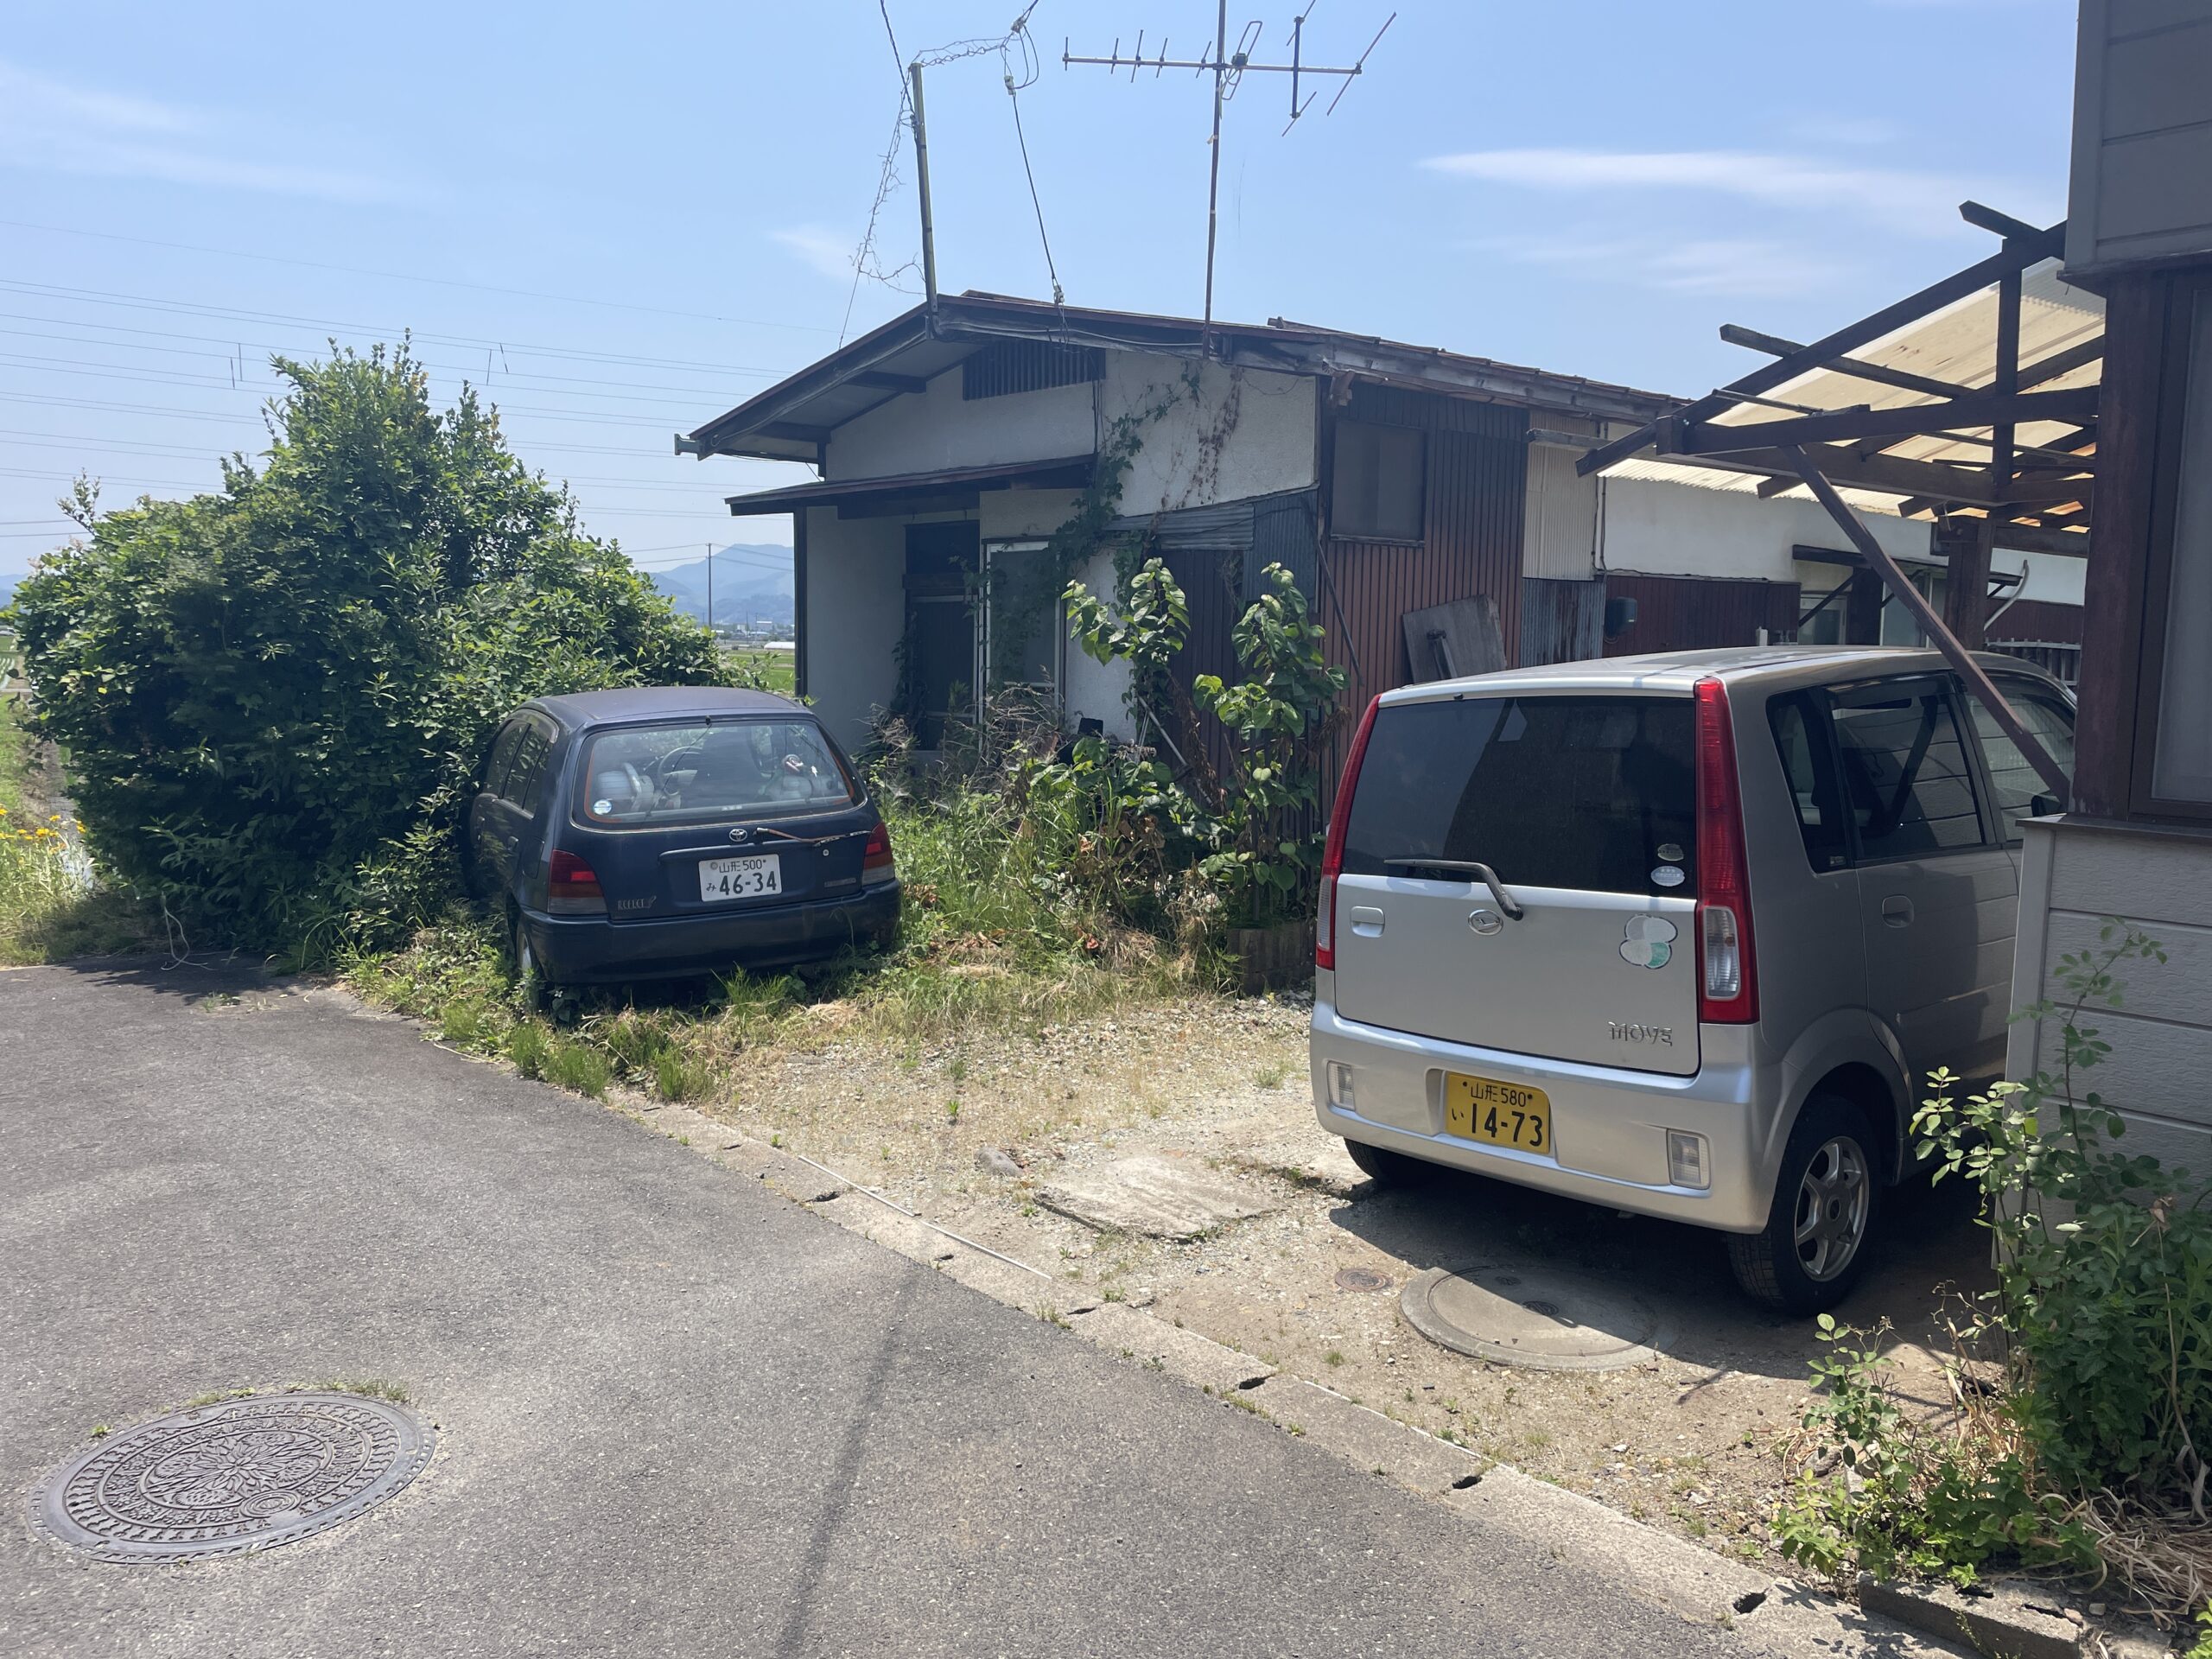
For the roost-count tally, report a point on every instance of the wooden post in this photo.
(1966, 544)
(922, 187)
(1862, 609)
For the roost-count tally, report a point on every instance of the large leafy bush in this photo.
(273, 696)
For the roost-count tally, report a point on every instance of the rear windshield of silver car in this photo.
(1595, 793)
(701, 769)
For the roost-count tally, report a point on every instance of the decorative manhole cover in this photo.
(1532, 1316)
(1361, 1279)
(245, 1474)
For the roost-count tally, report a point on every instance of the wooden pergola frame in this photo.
(2037, 495)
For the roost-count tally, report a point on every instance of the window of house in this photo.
(2181, 737)
(1025, 626)
(2018, 788)
(1376, 489)
(1906, 782)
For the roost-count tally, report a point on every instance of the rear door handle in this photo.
(1896, 911)
(1367, 921)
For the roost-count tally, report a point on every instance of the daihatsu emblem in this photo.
(741, 834)
(1484, 922)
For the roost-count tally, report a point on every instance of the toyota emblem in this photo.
(1484, 922)
(741, 834)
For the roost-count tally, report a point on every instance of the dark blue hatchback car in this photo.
(660, 831)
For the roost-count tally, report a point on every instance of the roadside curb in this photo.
(1779, 1616)
(2002, 1622)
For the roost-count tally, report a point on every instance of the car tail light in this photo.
(1332, 853)
(572, 888)
(1728, 985)
(876, 864)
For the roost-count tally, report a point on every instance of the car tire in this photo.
(1825, 1217)
(1385, 1167)
(531, 989)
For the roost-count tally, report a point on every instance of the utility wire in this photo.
(411, 277)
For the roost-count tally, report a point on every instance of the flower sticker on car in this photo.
(1647, 941)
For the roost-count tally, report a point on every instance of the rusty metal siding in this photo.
(1696, 613)
(1011, 365)
(1476, 487)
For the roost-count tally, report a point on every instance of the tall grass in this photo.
(52, 905)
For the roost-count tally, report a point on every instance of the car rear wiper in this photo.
(1481, 873)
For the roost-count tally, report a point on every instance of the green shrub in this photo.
(2104, 1260)
(2088, 1451)
(275, 697)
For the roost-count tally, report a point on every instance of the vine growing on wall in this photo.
(1020, 594)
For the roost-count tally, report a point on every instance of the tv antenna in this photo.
(1228, 67)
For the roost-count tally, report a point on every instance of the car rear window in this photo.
(1594, 793)
(658, 775)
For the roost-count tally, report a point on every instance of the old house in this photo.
(1391, 480)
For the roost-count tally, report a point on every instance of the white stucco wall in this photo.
(856, 611)
(1238, 434)
(931, 430)
(1654, 529)
(2053, 578)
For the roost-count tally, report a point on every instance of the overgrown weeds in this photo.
(2079, 1442)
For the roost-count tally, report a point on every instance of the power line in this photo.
(281, 318)
(409, 277)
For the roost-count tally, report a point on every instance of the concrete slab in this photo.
(1154, 1197)
(1311, 1159)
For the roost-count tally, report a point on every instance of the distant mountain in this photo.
(751, 580)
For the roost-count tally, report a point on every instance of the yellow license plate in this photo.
(1503, 1113)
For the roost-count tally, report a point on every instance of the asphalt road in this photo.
(676, 1415)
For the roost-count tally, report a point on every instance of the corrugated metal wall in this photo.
(1694, 614)
(1477, 483)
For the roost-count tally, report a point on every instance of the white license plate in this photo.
(757, 877)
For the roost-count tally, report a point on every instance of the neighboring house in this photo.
(1389, 478)
(2138, 842)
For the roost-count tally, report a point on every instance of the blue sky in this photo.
(632, 219)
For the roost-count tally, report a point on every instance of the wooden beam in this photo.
(2014, 256)
(2059, 363)
(884, 380)
(791, 431)
(1997, 224)
(1857, 368)
(1977, 409)
(2066, 543)
(1976, 676)
(1891, 474)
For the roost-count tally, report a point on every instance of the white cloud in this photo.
(1926, 203)
(1740, 267)
(823, 249)
(49, 125)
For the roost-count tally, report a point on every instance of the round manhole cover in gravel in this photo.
(1361, 1279)
(240, 1475)
(1531, 1317)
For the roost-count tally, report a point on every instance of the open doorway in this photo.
(941, 636)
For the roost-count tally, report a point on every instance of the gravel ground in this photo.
(1691, 1441)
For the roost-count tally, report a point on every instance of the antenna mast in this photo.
(1229, 69)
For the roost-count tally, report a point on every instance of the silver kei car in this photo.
(1680, 935)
